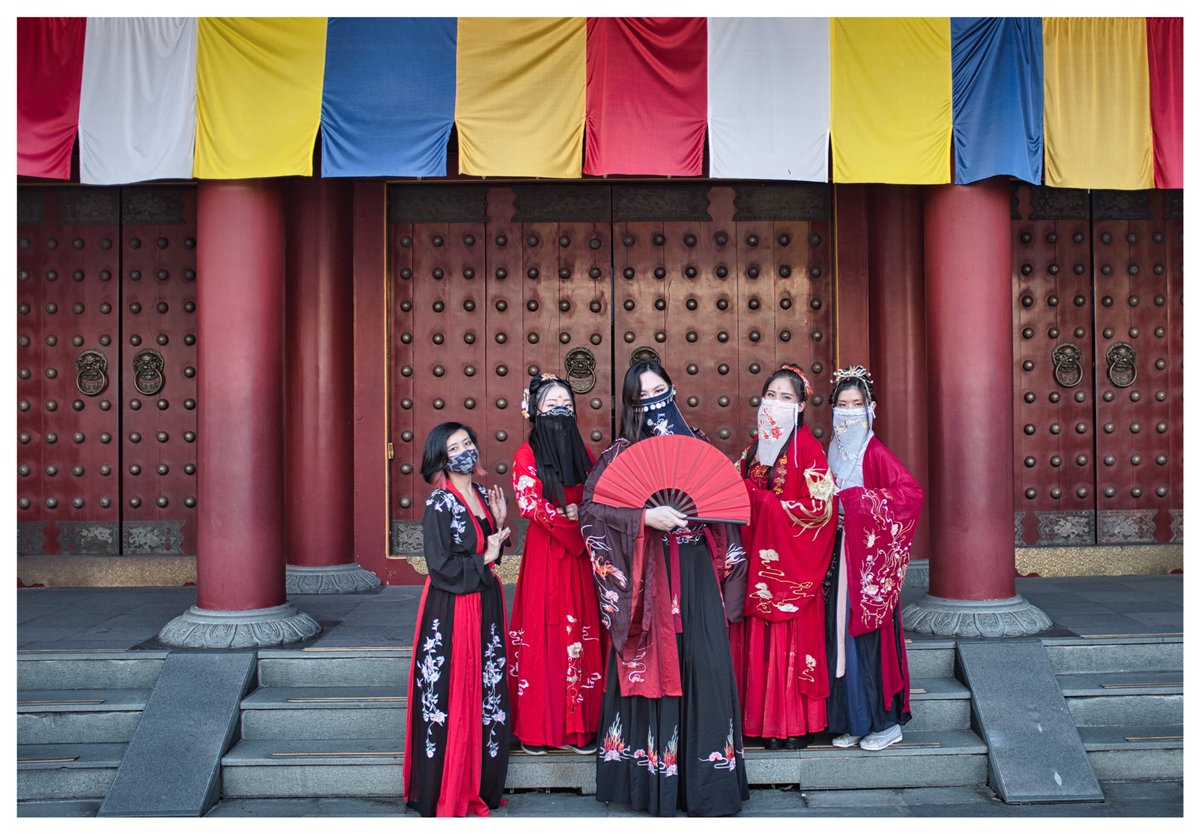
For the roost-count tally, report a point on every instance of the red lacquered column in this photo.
(240, 598)
(319, 396)
(969, 497)
(898, 357)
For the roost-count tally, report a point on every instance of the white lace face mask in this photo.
(776, 421)
(852, 428)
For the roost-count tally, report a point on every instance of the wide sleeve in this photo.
(450, 546)
(611, 535)
(880, 520)
(792, 535)
(734, 575)
(531, 502)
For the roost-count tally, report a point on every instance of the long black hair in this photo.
(797, 383)
(435, 463)
(631, 397)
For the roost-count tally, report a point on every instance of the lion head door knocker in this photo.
(1121, 368)
(148, 372)
(580, 364)
(644, 353)
(92, 372)
(1067, 370)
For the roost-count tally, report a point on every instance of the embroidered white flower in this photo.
(768, 555)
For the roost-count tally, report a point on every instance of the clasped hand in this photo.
(665, 518)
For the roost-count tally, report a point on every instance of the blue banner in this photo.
(388, 103)
(997, 74)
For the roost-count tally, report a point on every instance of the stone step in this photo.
(938, 759)
(335, 667)
(88, 670)
(69, 716)
(1135, 752)
(1115, 710)
(938, 704)
(1115, 654)
(324, 712)
(374, 767)
(930, 657)
(1121, 683)
(314, 768)
(66, 771)
(328, 712)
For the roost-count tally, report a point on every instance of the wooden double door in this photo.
(490, 286)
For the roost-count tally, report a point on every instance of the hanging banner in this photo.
(49, 73)
(520, 96)
(1164, 36)
(137, 113)
(997, 98)
(891, 115)
(647, 96)
(258, 96)
(768, 98)
(388, 102)
(1098, 132)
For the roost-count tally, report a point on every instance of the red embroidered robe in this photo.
(880, 518)
(779, 648)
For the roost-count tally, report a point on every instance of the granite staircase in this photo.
(330, 723)
(76, 712)
(1125, 695)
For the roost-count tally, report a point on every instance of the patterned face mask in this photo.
(661, 416)
(465, 462)
(558, 411)
(776, 421)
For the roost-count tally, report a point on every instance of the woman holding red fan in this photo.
(878, 506)
(670, 729)
(555, 651)
(454, 763)
(779, 648)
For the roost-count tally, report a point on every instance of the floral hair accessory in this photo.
(808, 389)
(535, 384)
(855, 372)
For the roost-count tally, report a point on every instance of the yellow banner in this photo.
(258, 96)
(891, 114)
(520, 96)
(1097, 88)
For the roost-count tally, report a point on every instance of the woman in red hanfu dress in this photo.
(879, 503)
(457, 734)
(670, 727)
(556, 647)
(779, 647)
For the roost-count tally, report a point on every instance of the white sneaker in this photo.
(846, 740)
(882, 739)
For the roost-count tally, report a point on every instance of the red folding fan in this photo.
(677, 471)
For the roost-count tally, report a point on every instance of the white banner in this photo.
(137, 109)
(768, 98)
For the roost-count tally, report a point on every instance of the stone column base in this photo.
(1012, 617)
(330, 579)
(200, 628)
(917, 575)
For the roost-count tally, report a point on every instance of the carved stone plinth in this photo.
(199, 628)
(330, 579)
(1012, 617)
(917, 575)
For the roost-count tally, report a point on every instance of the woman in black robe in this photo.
(670, 736)
(454, 763)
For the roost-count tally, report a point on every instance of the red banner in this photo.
(1164, 37)
(647, 96)
(49, 77)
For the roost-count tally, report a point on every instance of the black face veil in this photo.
(562, 459)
